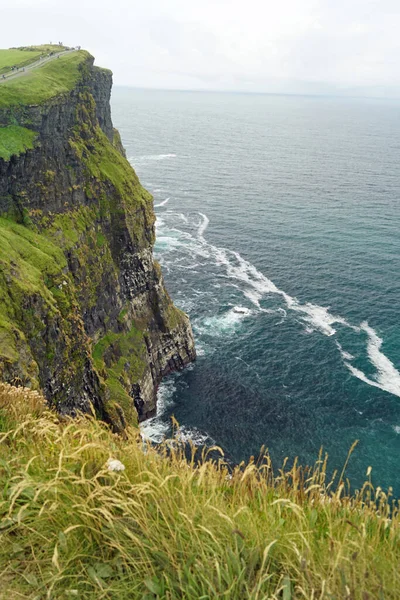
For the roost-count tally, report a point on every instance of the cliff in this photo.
(84, 313)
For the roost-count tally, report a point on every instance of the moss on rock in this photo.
(84, 314)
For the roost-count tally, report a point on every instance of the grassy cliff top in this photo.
(22, 57)
(166, 527)
(43, 82)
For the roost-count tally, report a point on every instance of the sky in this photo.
(349, 47)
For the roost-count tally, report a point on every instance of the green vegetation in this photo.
(101, 215)
(36, 294)
(14, 140)
(167, 527)
(117, 202)
(105, 163)
(24, 56)
(29, 261)
(18, 58)
(42, 48)
(173, 316)
(52, 79)
(121, 359)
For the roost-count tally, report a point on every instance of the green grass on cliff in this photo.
(105, 163)
(30, 265)
(15, 140)
(24, 56)
(30, 259)
(18, 58)
(119, 358)
(52, 79)
(168, 528)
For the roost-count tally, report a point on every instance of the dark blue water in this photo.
(278, 230)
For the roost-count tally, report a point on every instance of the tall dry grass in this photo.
(169, 527)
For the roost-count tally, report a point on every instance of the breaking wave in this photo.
(163, 203)
(255, 286)
(134, 159)
(157, 428)
(387, 377)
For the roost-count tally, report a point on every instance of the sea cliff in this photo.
(84, 313)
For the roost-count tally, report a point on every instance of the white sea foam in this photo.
(189, 434)
(254, 285)
(188, 267)
(163, 203)
(397, 429)
(345, 355)
(167, 242)
(258, 285)
(387, 377)
(222, 324)
(203, 226)
(156, 428)
(153, 157)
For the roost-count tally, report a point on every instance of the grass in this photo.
(29, 266)
(14, 140)
(168, 527)
(121, 359)
(52, 79)
(105, 163)
(24, 56)
(18, 58)
(30, 259)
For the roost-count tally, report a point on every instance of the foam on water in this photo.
(203, 226)
(133, 159)
(156, 428)
(387, 377)
(255, 286)
(163, 203)
(345, 355)
(193, 435)
(223, 324)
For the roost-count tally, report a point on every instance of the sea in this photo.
(278, 233)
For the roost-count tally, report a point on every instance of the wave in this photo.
(163, 203)
(387, 377)
(203, 226)
(157, 428)
(258, 285)
(345, 355)
(255, 286)
(151, 157)
(194, 435)
(219, 325)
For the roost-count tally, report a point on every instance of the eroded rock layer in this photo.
(84, 313)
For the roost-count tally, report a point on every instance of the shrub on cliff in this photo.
(166, 527)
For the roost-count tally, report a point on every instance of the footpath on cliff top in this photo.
(24, 70)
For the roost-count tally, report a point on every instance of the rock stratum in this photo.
(84, 313)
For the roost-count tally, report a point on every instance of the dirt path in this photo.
(20, 73)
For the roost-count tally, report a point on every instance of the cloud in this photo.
(258, 45)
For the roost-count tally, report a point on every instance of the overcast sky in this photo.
(321, 46)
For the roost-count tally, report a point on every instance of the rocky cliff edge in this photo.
(84, 313)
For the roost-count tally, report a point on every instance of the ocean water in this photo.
(278, 231)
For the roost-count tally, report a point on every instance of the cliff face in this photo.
(84, 314)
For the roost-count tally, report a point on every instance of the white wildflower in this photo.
(115, 465)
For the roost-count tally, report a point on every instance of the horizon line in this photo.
(256, 93)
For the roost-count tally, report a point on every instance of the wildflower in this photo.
(115, 465)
